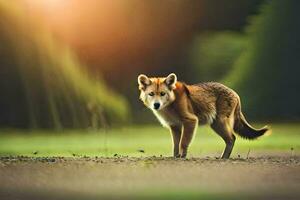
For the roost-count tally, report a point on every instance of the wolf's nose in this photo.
(156, 106)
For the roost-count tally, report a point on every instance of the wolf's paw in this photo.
(183, 156)
(177, 156)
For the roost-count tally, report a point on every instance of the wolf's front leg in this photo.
(176, 131)
(189, 127)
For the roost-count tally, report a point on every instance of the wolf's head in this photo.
(157, 93)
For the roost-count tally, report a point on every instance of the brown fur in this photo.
(205, 103)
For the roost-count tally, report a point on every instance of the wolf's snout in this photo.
(156, 106)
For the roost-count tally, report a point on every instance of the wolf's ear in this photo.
(143, 81)
(171, 80)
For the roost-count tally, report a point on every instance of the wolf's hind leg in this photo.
(224, 127)
(176, 131)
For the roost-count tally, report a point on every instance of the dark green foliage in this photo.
(213, 54)
(267, 74)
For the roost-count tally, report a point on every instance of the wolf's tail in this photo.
(243, 128)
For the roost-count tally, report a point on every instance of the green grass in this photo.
(154, 140)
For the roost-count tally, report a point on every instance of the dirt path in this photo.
(91, 178)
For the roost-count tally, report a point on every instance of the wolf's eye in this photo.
(151, 94)
(162, 94)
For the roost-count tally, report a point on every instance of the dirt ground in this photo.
(265, 177)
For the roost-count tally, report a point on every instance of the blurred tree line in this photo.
(251, 46)
(43, 85)
(266, 73)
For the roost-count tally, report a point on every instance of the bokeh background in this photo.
(74, 64)
(71, 122)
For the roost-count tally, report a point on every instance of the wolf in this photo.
(181, 107)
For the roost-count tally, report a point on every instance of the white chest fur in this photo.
(167, 118)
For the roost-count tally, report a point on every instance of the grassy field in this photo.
(153, 140)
